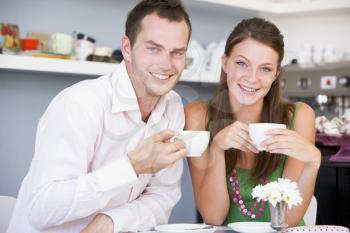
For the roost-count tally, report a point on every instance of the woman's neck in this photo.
(246, 113)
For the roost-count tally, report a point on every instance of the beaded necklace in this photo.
(255, 211)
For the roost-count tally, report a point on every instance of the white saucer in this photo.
(185, 227)
(251, 227)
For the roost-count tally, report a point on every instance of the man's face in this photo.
(157, 58)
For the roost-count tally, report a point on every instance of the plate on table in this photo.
(185, 227)
(251, 227)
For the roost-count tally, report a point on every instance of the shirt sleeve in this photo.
(60, 186)
(153, 207)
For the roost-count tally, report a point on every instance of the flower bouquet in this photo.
(279, 194)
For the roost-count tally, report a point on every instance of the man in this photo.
(103, 159)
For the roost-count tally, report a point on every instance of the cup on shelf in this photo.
(61, 43)
(29, 44)
(103, 51)
(83, 48)
(84, 45)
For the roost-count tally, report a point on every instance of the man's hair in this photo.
(172, 10)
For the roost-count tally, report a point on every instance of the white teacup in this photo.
(103, 51)
(196, 141)
(61, 43)
(83, 48)
(257, 132)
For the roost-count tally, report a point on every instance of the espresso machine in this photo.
(326, 88)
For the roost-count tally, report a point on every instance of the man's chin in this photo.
(162, 90)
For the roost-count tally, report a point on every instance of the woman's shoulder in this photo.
(304, 122)
(196, 114)
(303, 110)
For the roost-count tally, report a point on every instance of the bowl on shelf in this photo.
(29, 44)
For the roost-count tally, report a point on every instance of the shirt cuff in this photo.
(120, 219)
(117, 174)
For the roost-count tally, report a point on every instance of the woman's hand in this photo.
(289, 142)
(235, 136)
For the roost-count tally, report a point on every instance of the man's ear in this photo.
(224, 63)
(126, 48)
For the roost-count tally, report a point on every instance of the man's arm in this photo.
(153, 206)
(59, 186)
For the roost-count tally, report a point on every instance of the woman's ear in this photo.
(224, 62)
(279, 70)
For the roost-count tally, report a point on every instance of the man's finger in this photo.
(165, 135)
(178, 154)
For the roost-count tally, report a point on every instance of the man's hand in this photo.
(157, 152)
(100, 224)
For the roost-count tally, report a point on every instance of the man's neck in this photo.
(147, 105)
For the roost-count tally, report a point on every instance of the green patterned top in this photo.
(246, 186)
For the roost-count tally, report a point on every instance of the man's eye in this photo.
(241, 63)
(179, 54)
(153, 49)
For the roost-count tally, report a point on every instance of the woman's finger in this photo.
(277, 138)
(279, 132)
(243, 139)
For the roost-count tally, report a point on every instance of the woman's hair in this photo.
(274, 109)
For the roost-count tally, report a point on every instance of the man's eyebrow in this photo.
(154, 43)
(183, 49)
(151, 42)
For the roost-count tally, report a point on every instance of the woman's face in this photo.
(251, 69)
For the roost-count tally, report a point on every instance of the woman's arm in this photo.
(303, 160)
(207, 171)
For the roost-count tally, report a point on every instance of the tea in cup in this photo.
(257, 132)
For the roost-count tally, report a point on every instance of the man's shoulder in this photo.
(90, 93)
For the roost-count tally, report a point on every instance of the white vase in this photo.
(278, 216)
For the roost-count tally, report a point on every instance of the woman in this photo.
(249, 92)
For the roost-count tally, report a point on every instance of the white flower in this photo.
(277, 191)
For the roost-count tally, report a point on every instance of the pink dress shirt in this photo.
(80, 166)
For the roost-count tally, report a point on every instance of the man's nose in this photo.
(166, 62)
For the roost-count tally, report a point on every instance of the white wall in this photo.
(315, 28)
(104, 20)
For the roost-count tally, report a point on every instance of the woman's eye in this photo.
(266, 69)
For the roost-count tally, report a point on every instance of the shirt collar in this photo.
(125, 100)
